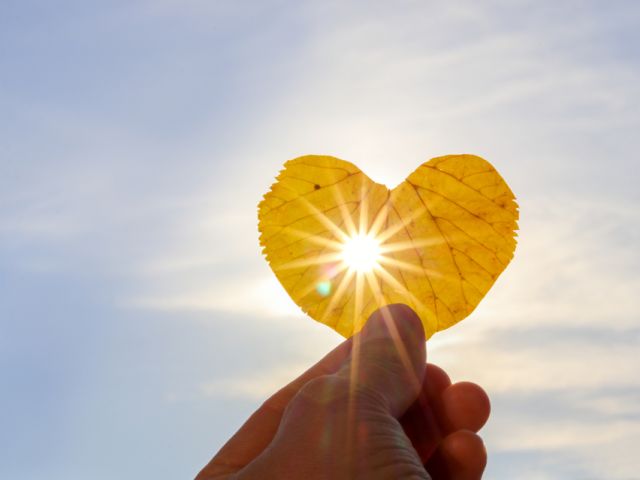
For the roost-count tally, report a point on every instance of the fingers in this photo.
(420, 422)
(387, 360)
(258, 431)
(460, 456)
(464, 406)
(461, 409)
(441, 409)
(435, 381)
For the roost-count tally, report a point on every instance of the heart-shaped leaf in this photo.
(343, 245)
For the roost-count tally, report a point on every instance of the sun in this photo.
(361, 253)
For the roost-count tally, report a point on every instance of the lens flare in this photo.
(324, 288)
(361, 253)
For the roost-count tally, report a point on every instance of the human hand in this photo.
(370, 409)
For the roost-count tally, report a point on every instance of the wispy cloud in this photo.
(257, 387)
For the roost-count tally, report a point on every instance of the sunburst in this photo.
(359, 255)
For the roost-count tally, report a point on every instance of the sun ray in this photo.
(409, 245)
(326, 221)
(355, 359)
(409, 267)
(402, 350)
(339, 292)
(353, 382)
(306, 262)
(397, 285)
(393, 331)
(381, 217)
(374, 286)
(406, 266)
(402, 223)
(364, 212)
(347, 219)
(317, 239)
(357, 320)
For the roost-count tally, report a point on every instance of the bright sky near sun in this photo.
(139, 324)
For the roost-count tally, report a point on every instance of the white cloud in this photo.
(262, 297)
(257, 387)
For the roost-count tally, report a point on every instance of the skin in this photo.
(371, 409)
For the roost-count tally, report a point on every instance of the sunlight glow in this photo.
(361, 253)
(357, 260)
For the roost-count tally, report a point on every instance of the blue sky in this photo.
(139, 324)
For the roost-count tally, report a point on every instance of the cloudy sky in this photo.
(139, 325)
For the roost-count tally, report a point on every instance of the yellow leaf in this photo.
(343, 245)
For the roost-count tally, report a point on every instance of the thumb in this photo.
(388, 358)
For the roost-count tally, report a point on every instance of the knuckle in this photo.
(324, 391)
(364, 396)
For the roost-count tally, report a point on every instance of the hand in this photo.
(371, 409)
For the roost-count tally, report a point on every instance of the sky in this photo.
(139, 323)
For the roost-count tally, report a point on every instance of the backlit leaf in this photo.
(436, 242)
